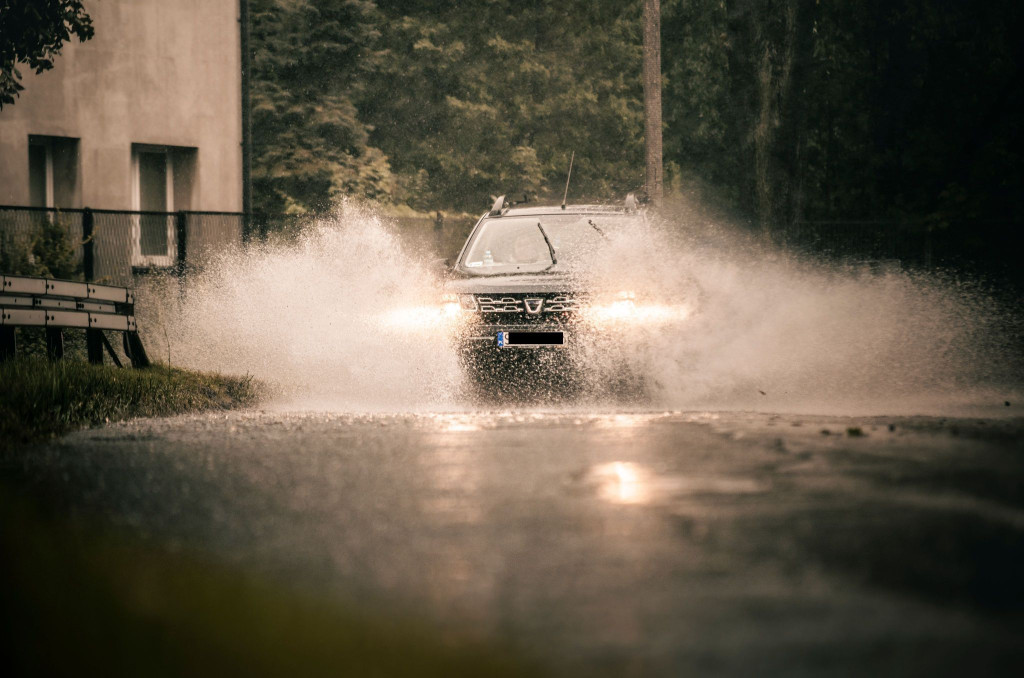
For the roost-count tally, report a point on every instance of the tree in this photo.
(32, 32)
(886, 111)
(494, 99)
(311, 59)
(901, 112)
(652, 99)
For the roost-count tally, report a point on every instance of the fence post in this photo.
(134, 350)
(93, 338)
(181, 225)
(8, 343)
(88, 250)
(54, 343)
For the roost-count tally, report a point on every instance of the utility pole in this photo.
(652, 99)
(243, 20)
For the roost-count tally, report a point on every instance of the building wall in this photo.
(157, 72)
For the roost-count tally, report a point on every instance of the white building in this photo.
(145, 116)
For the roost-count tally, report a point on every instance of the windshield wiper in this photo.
(596, 228)
(551, 250)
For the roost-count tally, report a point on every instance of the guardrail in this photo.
(64, 304)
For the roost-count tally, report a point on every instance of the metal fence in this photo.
(110, 245)
(114, 246)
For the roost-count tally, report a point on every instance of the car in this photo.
(532, 321)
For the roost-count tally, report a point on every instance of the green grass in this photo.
(78, 601)
(40, 399)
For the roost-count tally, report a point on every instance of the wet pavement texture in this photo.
(623, 543)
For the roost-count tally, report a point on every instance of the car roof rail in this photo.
(499, 204)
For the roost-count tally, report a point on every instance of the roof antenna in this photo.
(567, 178)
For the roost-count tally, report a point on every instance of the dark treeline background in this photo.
(903, 113)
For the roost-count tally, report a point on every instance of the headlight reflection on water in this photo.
(621, 482)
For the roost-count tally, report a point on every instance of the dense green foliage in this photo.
(48, 251)
(484, 98)
(437, 105)
(901, 112)
(39, 398)
(32, 32)
(309, 64)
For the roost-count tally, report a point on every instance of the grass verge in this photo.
(40, 399)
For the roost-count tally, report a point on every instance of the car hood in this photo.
(542, 282)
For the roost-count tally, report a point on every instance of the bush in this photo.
(48, 250)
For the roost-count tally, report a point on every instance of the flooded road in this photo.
(623, 543)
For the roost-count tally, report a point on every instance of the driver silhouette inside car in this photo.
(524, 250)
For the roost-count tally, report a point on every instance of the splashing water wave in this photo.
(345, 312)
(773, 331)
(306, 315)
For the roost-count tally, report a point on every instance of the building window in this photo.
(52, 171)
(163, 182)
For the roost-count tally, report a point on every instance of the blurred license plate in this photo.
(527, 339)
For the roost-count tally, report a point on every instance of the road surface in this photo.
(622, 543)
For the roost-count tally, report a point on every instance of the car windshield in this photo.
(503, 245)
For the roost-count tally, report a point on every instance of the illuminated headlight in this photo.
(623, 308)
(467, 302)
(450, 305)
(617, 307)
(446, 314)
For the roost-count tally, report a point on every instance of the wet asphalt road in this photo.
(627, 544)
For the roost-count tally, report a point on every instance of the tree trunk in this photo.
(652, 99)
(774, 71)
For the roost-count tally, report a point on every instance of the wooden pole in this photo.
(93, 337)
(652, 99)
(243, 21)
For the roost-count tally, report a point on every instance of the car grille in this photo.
(526, 307)
(499, 304)
(561, 304)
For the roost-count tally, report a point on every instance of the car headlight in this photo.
(613, 307)
(450, 305)
(623, 307)
(447, 313)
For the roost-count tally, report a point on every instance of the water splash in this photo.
(309, 315)
(773, 331)
(344, 313)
